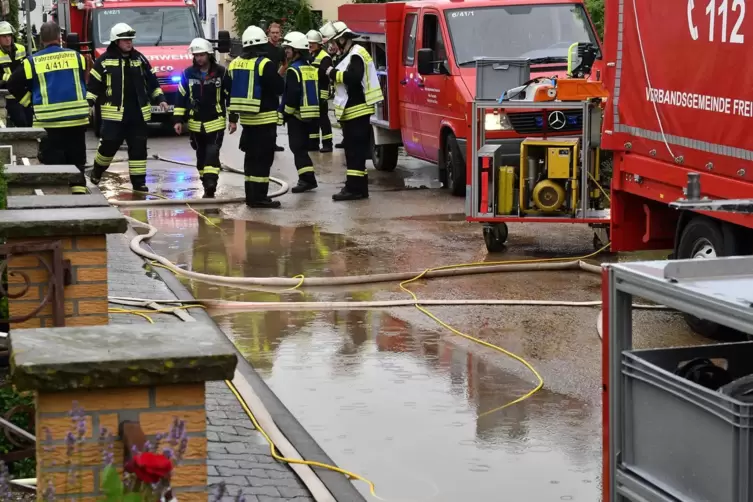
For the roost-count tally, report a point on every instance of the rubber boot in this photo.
(305, 184)
(96, 175)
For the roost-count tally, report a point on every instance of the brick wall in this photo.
(154, 407)
(85, 298)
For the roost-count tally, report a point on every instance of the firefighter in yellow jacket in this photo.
(12, 56)
(357, 91)
(299, 107)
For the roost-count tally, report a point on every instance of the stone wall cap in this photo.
(98, 357)
(22, 133)
(20, 223)
(39, 175)
(56, 201)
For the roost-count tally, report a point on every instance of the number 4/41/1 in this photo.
(738, 6)
(57, 65)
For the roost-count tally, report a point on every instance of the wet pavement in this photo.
(389, 394)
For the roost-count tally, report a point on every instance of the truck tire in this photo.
(97, 121)
(454, 168)
(384, 157)
(704, 238)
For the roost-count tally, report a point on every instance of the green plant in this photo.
(303, 21)
(248, 12)
(596, 11)
(9, 399)
(12, 16)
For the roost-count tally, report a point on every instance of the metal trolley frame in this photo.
(588, 138)
(713, 289)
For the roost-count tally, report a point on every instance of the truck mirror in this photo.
(425, 61)
(72, 41)
(223, 42)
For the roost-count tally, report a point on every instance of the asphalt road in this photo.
(389, 393)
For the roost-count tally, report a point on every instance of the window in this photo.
(153, 25)
(409, 39)
(432, 39)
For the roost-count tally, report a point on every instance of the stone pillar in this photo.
(150, 374)
(24, 142)
(76, 274)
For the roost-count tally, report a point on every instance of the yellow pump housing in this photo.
(548, 181)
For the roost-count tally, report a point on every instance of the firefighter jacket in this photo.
(322, 62)
(255, 89)
(301, 96)
(357, 87)
(107, 81)
(54, 80)
(203, 100)
(9, 62)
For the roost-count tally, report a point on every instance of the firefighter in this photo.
(12, 56)
(300, 107)
(357, 91)
(123, 84)
(322, 61)
(54, 77)
(255, 90)
(204, 93)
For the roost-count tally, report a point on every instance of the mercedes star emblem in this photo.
(557, 120)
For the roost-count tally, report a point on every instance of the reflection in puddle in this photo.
(399, 405)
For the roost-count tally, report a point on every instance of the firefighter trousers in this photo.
(258, 142)
(67, 146)
(357, 144)
(207, 146)
(132, 130)
(322, 124)
(298, 133)
(19, 115)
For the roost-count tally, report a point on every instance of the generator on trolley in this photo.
(557, 178)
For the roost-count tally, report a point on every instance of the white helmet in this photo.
(334, 30)
(6, 28)
(122, 31)
(296, 40)
(200, 46)
(314, 37)
(253, 35)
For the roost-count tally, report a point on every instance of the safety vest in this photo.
(6, 63)
(370, 82)
(316, 63)
(245, 93)
(58, 89)
(308, 77)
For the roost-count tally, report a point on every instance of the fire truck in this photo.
(164, 30)
(426, 53)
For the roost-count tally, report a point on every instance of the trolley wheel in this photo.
(495, 236)
(704, 238)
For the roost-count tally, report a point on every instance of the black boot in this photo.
(326, 148)
(346, 194)
(265, 204)
(339, 146)
(96, 175)
(256, 197)
(279, 148)
(208, 193)
(304, 185)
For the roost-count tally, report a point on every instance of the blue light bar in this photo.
(175, 78)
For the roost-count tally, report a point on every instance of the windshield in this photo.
(176, 25)
(519, 31)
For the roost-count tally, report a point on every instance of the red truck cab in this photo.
(164, 30)
(426, 106)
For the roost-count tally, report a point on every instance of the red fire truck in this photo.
(164, 30)
(425, 53)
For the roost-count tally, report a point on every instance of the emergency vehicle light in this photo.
(98, 4)
(175, 78)
(189, 2)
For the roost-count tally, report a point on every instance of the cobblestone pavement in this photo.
(237, 453)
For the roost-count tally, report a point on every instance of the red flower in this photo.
(149, 467)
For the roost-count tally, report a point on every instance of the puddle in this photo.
(411, 409)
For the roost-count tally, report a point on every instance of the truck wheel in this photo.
(384, 157)
(454, 167)
(495, 236)
(97, 121)
(703, 238)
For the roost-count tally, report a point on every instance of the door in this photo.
(409, 125)
(431, 95)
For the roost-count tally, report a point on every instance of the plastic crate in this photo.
(494, 76)
(691, 442)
